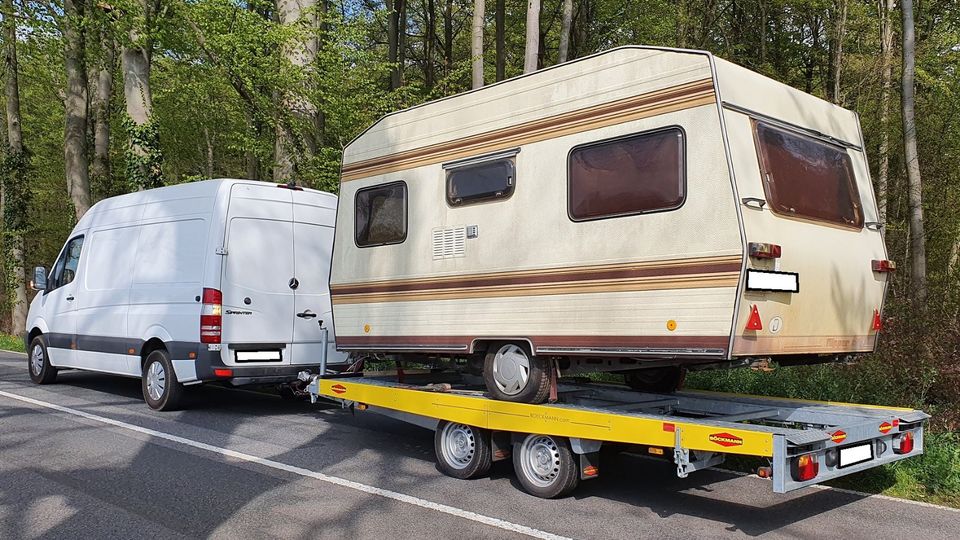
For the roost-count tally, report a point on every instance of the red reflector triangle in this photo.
(876, 320)
(754, 323)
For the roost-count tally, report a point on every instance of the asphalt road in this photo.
(239, 464)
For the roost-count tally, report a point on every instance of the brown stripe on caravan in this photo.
(675, 98)
(758, 345)
(465, 343)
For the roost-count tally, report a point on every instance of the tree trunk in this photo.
(886, 52)
(75, 108)
(16, 190)
(429, 45)
(838, 27)
(250, 156)
(209, 141)
(501, 40)
(300, 54)
(565, 31)
(448, 37)
(476, 43)
(100, 108)
(136, 62)
(918, 276)
(533, 36)
(395, 42)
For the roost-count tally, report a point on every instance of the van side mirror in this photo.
(39, 282)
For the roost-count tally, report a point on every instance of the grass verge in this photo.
(11, 343)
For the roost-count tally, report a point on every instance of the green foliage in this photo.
(143, 156)
(11, 343)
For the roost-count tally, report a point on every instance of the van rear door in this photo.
(808, 211)
(314, 217)
(258, 277)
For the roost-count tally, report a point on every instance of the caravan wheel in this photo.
(511, 374)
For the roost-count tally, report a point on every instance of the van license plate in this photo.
(258, 356)
(852, 455)
(762, 280)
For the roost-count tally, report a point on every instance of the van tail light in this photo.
(754, 322)
(760, 250)
(906, 444)
(883, 266)
(877, 322)
(211, 319)
(804, 467)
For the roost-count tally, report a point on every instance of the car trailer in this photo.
(554, 446)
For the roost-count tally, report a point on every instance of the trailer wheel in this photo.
(161, 390)
(511, 374)
(41, 372)
(462, 451)
(658, 380)
(545, 466)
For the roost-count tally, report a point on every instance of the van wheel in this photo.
(161, 390)
(511, 374)
(462, 451)
(38, 363)
(664, 380)
(545, 466)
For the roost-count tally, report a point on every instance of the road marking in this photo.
(337, 481)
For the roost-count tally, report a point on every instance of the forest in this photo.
(108, 97)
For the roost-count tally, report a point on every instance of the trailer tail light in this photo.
(877, 323)
(211, 320)
(754, 322)
(883, 266)
(906, 444)
(759, 250)
(223, 373)
(804, 467)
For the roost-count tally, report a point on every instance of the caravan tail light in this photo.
(760, 250)
(877, 322)
(754, 322)
(906, 444)
(211, 319)
(883, 266)
(804, 467)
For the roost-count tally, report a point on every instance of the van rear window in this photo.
(808, 178)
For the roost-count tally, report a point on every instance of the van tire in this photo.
(665, 380)
(510, 373)
(546, 466)
(462, 451)
(38, 363)
(161, 390)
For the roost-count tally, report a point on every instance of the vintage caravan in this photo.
(638, 210)
(215, 281)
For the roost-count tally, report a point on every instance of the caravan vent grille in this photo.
(449, 243)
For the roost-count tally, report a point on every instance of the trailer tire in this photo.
(38, 363)
(161, 390)
(510, 373)
(546, 466)
(665, 380)
(462, 451)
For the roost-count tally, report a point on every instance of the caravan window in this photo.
(381, 215)
(630, 175)
(480, 182)
(807, 177)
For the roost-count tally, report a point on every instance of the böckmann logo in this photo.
(338, 388)
(726, 439)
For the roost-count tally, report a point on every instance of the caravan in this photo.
(222, 280)
(641, 210)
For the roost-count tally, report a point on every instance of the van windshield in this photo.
(808, 178)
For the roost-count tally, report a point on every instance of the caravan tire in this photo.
(161, 390)
(462, 451)
(510, 373)
(38, 363)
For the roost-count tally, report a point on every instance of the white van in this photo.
(222, 280)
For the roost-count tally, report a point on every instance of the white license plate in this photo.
(855, 454)
(258, 356)
(761, 280)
